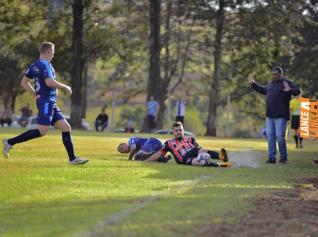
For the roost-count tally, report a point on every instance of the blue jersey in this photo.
(41, 70)
(137, 141)
(153, 107)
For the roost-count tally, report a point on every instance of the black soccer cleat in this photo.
(223, 155)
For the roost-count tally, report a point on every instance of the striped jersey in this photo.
(179, 147)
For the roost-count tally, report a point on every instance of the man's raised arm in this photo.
(259, 88)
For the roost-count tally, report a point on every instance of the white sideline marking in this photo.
(99, 229)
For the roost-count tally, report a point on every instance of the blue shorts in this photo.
(151, 145)
(48, 113)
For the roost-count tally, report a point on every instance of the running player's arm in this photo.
(58, 85)
(133, 151)
(50, 82)
(25, 83)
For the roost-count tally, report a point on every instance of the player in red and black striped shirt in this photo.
(185, 149)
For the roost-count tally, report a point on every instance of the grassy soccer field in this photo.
(41, 195)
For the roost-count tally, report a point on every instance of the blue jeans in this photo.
(276, 129)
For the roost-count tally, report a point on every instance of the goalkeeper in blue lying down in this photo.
(142, 148)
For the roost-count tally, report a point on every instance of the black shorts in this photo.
(295, 121)
(190, 155)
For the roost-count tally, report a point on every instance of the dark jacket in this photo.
(102, 118)
(277, 100)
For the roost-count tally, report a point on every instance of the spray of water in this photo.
(246, 158)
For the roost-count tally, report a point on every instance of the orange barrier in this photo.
(308, 118)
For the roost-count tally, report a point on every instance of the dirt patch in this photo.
(286, 213)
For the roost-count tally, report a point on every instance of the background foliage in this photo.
(116, 41)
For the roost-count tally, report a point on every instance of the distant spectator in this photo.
(180, 110)
(26, 113)
(130, 127)
(85, 124)
(294, 106)
(6, 117)
(101, 121)
(152, 111)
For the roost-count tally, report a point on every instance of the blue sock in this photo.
(28, 135)
(67, 141)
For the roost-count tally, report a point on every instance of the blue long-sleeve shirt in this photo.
(277, 100)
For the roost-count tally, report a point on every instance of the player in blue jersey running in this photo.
(142, 148)
(45, 92)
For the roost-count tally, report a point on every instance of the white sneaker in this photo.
(78, 161)
(6, 148)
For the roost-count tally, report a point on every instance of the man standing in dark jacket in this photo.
(278, 94)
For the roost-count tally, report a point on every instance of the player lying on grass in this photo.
(142, 148)
(186, 150)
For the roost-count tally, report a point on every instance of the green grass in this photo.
(41, 195)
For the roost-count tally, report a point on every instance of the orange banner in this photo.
(308, 118)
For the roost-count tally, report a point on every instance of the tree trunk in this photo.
(84, 90)
(214, 93)
(77, 64)
(154, 67)
(6, 100)
(161, 114)
(154, 51)
(162, 88)
(13, 100)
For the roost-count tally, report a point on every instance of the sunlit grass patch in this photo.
(41, 195)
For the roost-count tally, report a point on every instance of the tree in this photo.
(78, 62)
(10, 81)
(304, 62)
(154, 56)
(214, 94)
(91, 39)
(19, 46)
(167, 51)
(257, 47)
